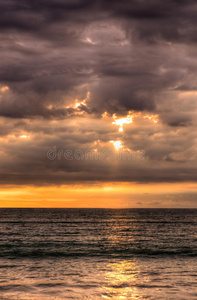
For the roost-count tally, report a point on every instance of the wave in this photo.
(38, 253)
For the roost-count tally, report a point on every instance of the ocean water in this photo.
(98, 254)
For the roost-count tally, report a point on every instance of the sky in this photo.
(98, 103)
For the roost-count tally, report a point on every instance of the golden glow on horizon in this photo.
(108, 195)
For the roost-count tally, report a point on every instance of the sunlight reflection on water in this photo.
(120, 281)
(98, 254)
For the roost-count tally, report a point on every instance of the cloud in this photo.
(109, 56)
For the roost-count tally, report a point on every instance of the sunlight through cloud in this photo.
(117, 144)
(121, 121)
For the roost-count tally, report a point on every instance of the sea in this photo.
(98, 254)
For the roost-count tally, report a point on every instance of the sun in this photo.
(117, 144)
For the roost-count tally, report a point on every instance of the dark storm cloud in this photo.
(60, 45)
(175, 20)
(127, 56)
